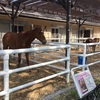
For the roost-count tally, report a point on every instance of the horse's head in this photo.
(40, 35)
(96, 39)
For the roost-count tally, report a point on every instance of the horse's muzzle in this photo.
(44, 42)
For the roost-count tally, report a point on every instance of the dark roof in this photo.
(82, 8)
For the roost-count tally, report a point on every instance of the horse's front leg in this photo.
(19, 59)
(27, 58)
(93, 48)
(88, 49)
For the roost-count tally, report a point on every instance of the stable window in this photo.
(55, 34)
(18, 28)
(86, 33)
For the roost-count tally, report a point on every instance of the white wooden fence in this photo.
(7, 71)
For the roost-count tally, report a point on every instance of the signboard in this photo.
(84, 82)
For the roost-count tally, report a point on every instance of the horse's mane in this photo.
(27, 32)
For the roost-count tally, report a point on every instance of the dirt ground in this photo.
(40, 90)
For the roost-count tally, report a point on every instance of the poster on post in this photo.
(84, 82)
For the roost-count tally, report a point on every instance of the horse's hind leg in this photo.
(27, 58)
(88, 49)
(19, 59)
(5, 46)
(93, 48)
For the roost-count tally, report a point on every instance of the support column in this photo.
(12, 18)
(68, 6)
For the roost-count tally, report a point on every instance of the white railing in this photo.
(59, 40)
(7, 71)
(63, 40)
(84, 53)
(81, 40)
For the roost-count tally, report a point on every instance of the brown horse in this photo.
(92, 41)
(20, 40)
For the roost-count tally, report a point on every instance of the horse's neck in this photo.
(29, 36)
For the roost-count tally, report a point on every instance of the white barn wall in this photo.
(97, 32)
(27, 22)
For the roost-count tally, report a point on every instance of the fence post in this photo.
(6, 76)
(84, 57)
(68, 65)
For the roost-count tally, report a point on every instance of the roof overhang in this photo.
(89, 9)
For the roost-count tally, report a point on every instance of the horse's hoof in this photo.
(18, 65)
(29, 70)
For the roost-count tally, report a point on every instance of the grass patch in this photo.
(68, 95)
(72, 93)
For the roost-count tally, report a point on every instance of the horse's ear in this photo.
(37, 26)
(45, 28)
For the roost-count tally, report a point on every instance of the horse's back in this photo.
(89, 41)
(9, 40)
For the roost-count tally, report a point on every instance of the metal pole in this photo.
(12, 18)
(67, 36)
(67, 25)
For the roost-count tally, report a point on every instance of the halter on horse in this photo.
(21, 40)
(92, 41)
